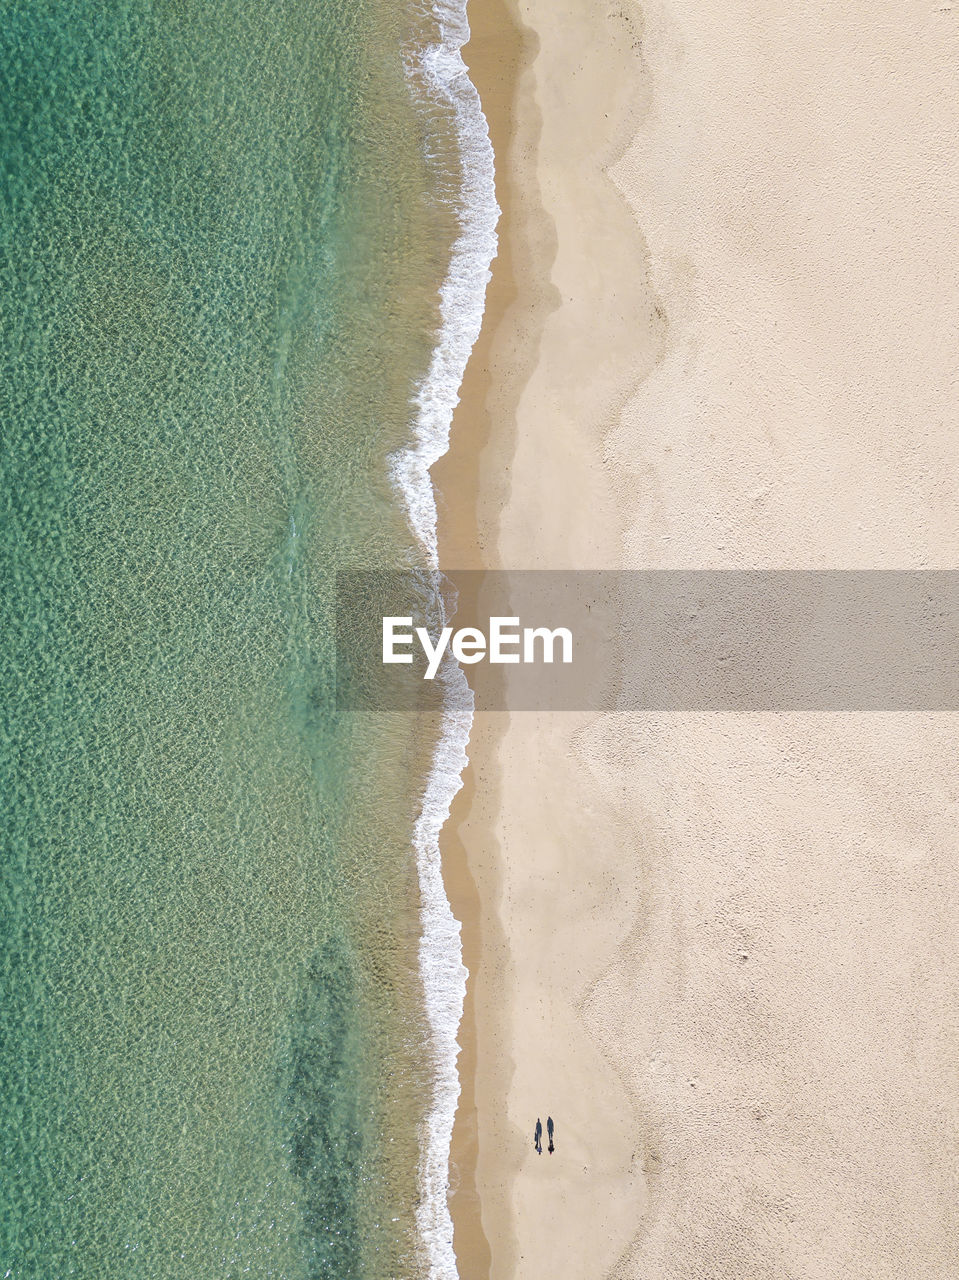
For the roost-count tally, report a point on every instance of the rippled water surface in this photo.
(219, 272)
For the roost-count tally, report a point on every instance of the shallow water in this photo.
(220, 270)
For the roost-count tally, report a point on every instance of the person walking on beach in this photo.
(538, 1137)
(549, 1132)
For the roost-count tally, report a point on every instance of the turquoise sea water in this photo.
(219, 272)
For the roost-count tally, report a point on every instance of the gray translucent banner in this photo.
(830, 640)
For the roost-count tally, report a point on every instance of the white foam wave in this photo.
(440, 67)
(444, 975)
(441, 70)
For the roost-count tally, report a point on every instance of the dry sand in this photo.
(719, 950)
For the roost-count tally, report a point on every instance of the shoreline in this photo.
(467, 516)
(438, 73)
(482, 485)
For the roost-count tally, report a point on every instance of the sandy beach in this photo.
(717, 949)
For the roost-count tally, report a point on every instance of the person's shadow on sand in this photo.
(549, 1132)
(538, 1137)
